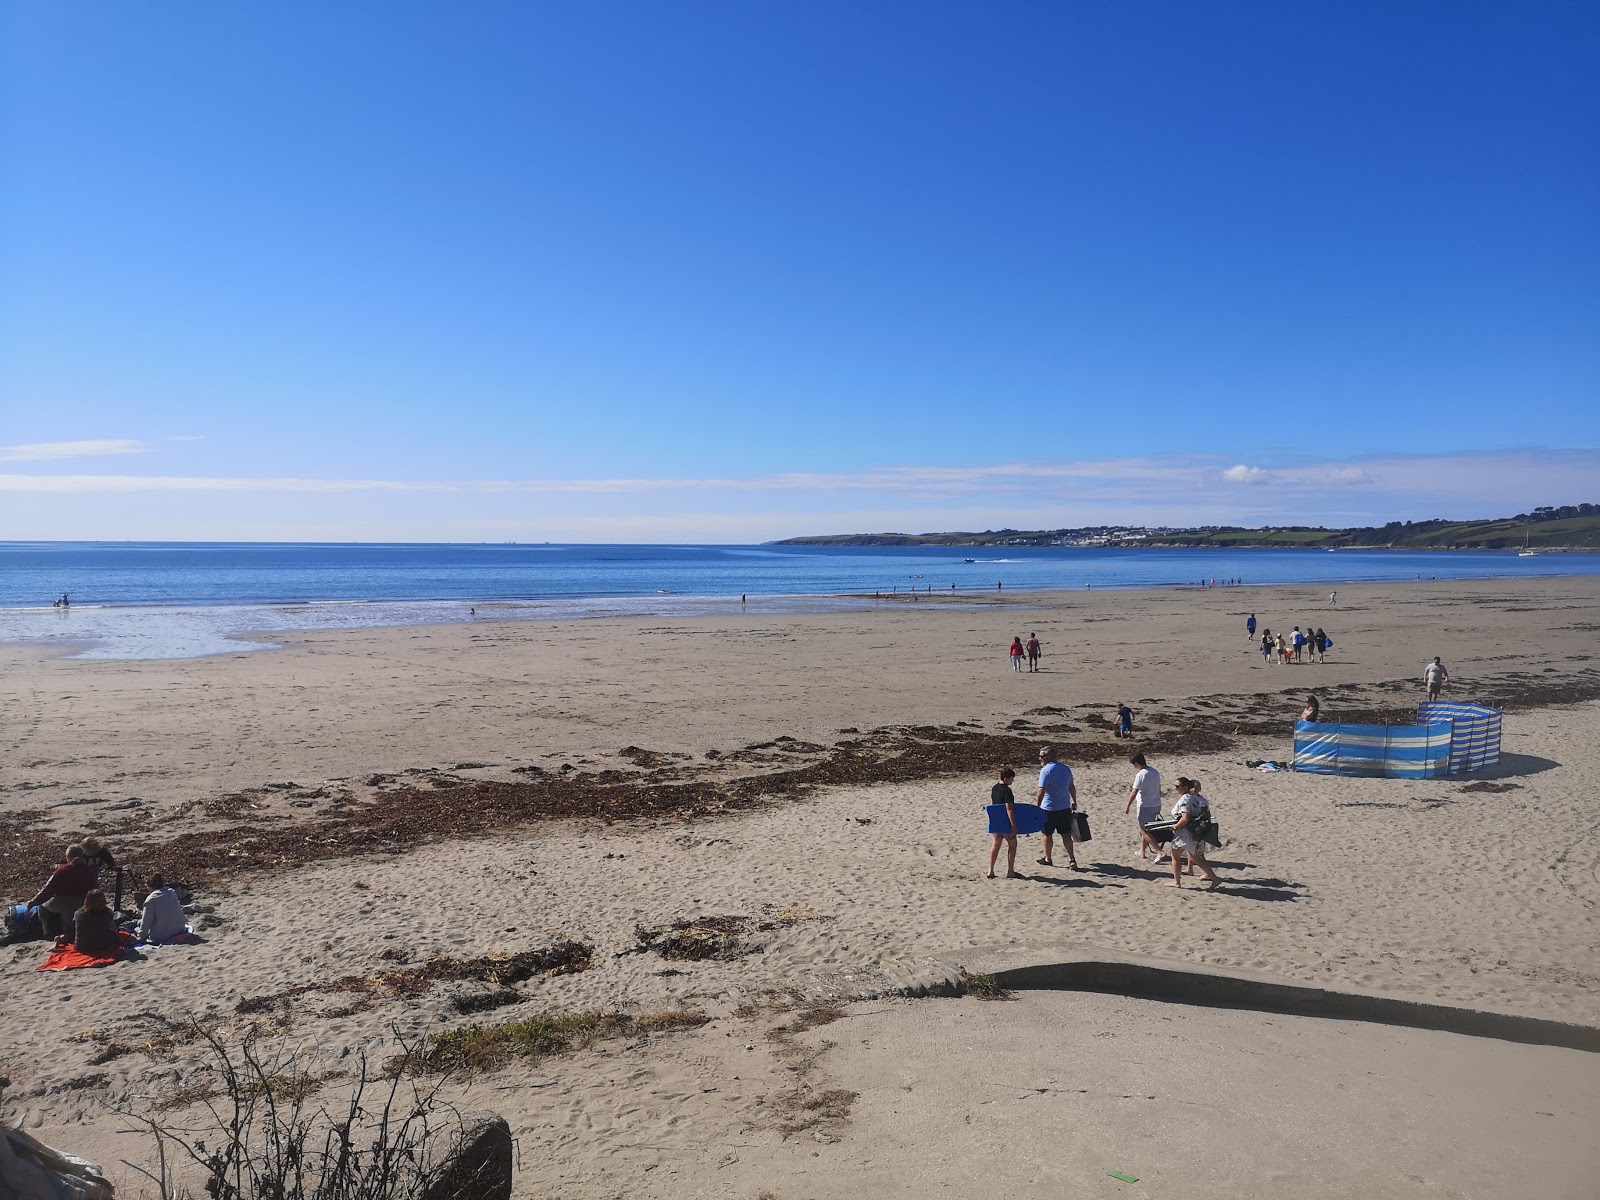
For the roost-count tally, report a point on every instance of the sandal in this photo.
(1044, 862)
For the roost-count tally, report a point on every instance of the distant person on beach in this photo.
(94, 927)
(1124, 721)
(1299, 640)
(1016, 653)
(1283, 651)
(63, 893)
(1312, 710)
(1266, 646)
(1320, 640)
(1434, 677)
(1146, 791)
(1001, 793)
(1033, 652)
(1333, 599)
(1058, 796)
(161, 920)
(1250, 627)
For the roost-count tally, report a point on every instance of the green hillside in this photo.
(1571, 527)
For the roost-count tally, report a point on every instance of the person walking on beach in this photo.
(1320, 640)
(1058, 796)
(1001, 793)
(1190, 819)
(1333, 599)
(1016, 653)
(1434, 676)
(1299, 640)
(1033, 652)
(1250, 627)
(1283, 651)
(1146, 791)
(1266, 646)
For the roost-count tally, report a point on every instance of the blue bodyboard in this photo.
(1030, 818)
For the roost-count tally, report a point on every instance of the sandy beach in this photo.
(807, 790)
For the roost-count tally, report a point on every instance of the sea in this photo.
(140, 600)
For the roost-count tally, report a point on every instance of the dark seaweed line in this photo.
(403, 818)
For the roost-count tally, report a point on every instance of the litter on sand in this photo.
(1124, 1178)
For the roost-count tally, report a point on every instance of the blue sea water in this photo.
(162, 600)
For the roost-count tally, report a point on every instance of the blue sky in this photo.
(694, 271)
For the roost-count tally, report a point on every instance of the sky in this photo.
(668, 272)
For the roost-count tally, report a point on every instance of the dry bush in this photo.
(260, 1137)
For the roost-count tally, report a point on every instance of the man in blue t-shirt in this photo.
(1057, 795)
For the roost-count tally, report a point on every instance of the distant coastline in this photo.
(1553, 530)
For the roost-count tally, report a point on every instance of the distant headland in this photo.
(1568, 527)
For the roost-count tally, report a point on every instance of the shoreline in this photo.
(201, 640)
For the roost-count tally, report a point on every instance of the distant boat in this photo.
(969, 560)
(1525, 552)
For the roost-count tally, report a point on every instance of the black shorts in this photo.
(1058, 820)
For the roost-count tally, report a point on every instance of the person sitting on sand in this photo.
(1188, 815)
(63, 893)
(1001, 793)
(1057, 795)
(162, 919)
(1147, 791)
(95, 927)
(1016, 653)
(1312, 709)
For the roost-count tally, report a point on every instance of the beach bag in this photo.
(1080, 828)
(1212, 836)
(1160, 831)
(21, 924)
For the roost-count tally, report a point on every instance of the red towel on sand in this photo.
(67, 958)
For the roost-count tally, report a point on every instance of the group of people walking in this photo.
(1178, 839)
(1308, 645)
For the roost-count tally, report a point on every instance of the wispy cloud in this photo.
(51, 451)
(1156, 491)
(1244, 474)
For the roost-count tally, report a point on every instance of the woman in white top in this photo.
(1189, 812)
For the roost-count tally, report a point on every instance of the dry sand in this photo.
(1423, 889)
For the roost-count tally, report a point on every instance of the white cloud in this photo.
(50, 451)
(1244, 474)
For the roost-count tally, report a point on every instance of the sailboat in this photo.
(1525, 552)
